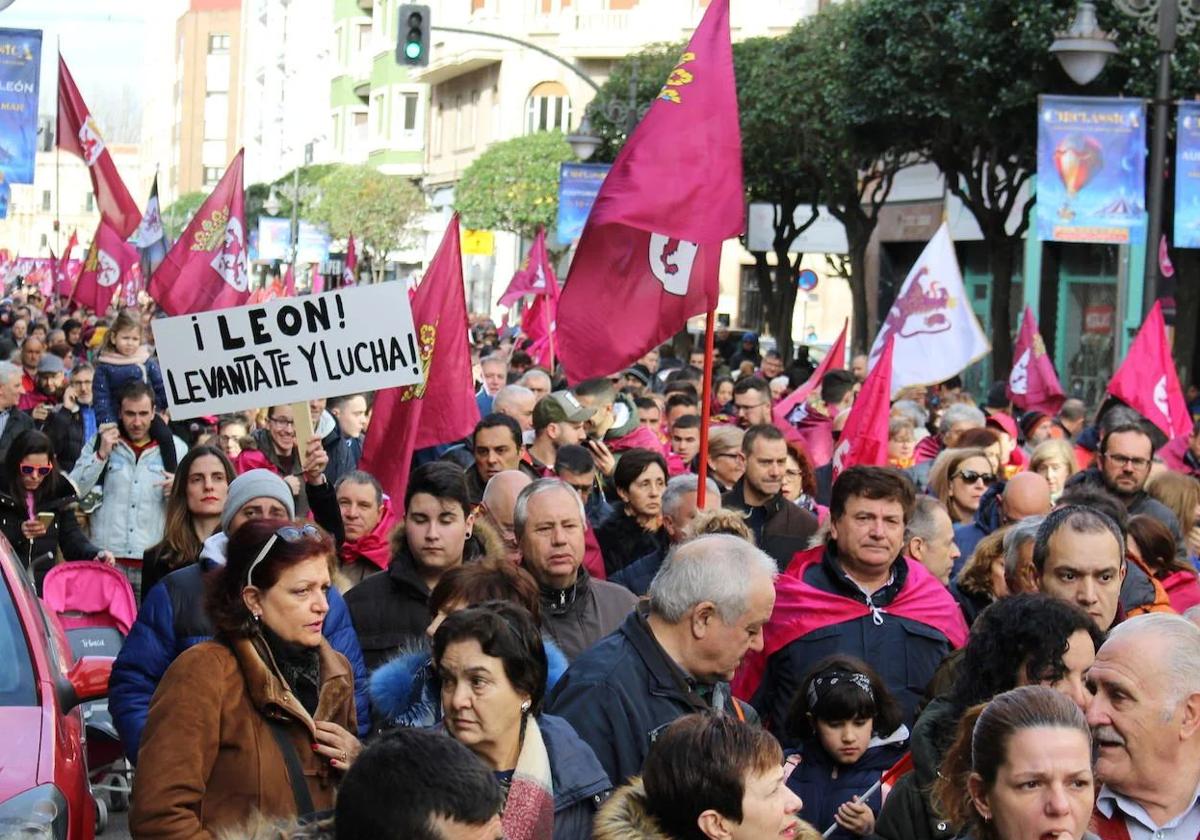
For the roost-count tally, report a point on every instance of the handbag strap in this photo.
(304, 803)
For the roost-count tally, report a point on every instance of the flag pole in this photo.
(57, 150)
(705, 407)
(550, 338)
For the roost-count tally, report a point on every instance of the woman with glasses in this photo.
(959, 478)
(258, 720)
(194, 508)
(37, 508)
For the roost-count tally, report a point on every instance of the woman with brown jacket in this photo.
(259, 720)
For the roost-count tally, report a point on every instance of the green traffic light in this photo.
(412, 50)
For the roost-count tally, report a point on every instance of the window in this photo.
(212, 174)
(548, 108)
(340, 37)
(408, 111)
(218, 44)
(360, 130)
(45, 200)
(89, 203)
(362, 37)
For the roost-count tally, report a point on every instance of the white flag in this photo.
(937, 334)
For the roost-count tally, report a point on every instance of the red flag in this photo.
(206, 268)
(535, 277)
(650, 251)
(79, 135)
(289, 281)
(1147, 380)
(404, 420)
(108, 260)
(835, 359)
(1033, 385)
(864, 439)
(316, 280)
(538, 324)
(350, 272)
(60, 270)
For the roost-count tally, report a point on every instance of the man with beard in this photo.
(1145, 719)
(75, 423)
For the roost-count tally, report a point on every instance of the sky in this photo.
(102, 41)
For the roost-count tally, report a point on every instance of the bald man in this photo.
(1022, 496)
(499, 499)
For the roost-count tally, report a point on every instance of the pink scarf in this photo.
(529, 811)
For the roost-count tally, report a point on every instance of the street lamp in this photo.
(1084, 49)
(584, 141)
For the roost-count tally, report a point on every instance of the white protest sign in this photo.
(288, 350)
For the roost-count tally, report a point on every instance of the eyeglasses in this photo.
(1126, 461)
(739, 408)
(283, 421)
(31, 470)
(727, 454)
(288, 533)
(970, 477)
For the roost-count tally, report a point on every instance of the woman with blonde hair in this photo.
(959, 478)
(1054, 460)
(1181, 493)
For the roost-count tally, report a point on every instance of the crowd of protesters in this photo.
(551, 635)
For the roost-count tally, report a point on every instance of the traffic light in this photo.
(412, 48)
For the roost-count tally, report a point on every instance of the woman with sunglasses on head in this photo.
(37, 508)
(959, 478)
(259, 719)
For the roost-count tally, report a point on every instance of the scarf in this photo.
(529, 811)
(299, 666)
(374, 545)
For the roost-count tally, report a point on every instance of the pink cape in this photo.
(801, 608)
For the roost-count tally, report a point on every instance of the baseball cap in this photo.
(50, 363)
(557, 407)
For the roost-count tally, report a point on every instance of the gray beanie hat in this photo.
(256, 484)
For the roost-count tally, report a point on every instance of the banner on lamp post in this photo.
(1091, 176)
(1187, 176)
(20, 62)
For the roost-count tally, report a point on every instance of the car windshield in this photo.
(16, 669)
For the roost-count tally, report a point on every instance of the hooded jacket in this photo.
(627, 432)
(625, 816)
(391, 610)
(405, 690)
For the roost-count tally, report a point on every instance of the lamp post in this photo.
(584, 141)
(1083, 51)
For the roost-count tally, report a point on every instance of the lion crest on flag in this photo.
(230, 260)
(107, 272)
(90, 141)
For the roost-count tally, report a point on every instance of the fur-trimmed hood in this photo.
(625, 817)
(484, 543)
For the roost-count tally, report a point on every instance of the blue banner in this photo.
(20, 61)
(1091, 178)
(274, 240)
(578, 185)
(1187, 177)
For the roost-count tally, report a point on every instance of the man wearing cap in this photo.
(558, 420)
(172, 617)
(47, 389)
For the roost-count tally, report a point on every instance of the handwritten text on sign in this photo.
(288, 350)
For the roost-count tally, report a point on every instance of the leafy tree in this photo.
(513, 186)
(636, 79)
(376, 208)
(179, 212)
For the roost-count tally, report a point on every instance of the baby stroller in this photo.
(95, 605)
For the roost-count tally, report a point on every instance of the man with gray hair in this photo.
(537, 381)
(1145, 717)
(679, 508)
(955, 420)
(1019, 575)
(577, 610)
(929, 538)
(673, 656)
(13, 421)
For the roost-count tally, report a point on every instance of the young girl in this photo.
(122, 360)
(849, 730)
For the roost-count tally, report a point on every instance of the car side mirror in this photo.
(86, 681)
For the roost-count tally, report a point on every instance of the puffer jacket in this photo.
(63, 533)
(406, 691)
(625, 816)
(210, 759)
(579, 782)
(114, 372)
(134, 511)
(390, 610)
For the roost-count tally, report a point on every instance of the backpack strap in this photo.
(304, 803)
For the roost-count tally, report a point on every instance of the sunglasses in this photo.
(289, 534)
(30, 470)
(970, 477)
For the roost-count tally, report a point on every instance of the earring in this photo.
(525, 707)
(257, 617)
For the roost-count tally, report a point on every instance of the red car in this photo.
(43, 773)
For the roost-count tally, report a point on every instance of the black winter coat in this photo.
(622, 540)
(63, 533)
(788, 528)
(907, 813)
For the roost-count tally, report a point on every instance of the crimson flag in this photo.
(403, 419)
(535, 277)
(289, 281)
(835, 359)
(1147, 380)
(206, 267)
(538, 324)
(316, 280)
(649, 255)
(79, 135)
(350, 272)
(1033, 385)
(864, 438)
(107, 262)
